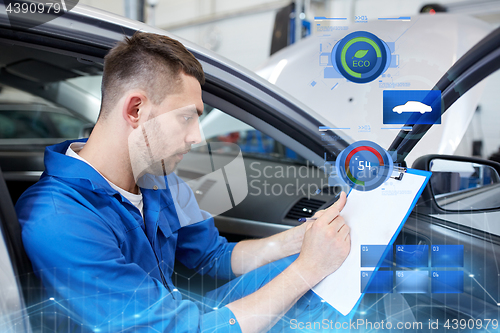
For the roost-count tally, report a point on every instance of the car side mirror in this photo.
(462, 183)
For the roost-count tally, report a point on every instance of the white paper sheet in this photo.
(374, 217)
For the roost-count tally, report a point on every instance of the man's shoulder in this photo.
(52, 211)
(50, 197)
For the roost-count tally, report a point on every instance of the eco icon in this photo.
(360, 54)
(360, 57)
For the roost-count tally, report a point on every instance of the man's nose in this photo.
(194, 135)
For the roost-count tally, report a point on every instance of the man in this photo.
(104, 247)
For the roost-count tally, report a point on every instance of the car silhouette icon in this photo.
(412, 106)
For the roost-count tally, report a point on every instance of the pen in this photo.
(303, 219)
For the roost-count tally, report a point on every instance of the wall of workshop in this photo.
(241, 34)
(113, 6)
(245, 40)
(238, 30)
(241, 29)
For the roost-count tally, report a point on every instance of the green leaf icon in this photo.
(360, 53)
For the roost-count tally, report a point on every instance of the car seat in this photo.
(12, 229)
(30, 285)
(40, 310)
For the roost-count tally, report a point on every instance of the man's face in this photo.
(158, 145)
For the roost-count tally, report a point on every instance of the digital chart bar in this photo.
(406, 128)
(447, 256)
(325, 128)
(447, 282)
(319, 18)
(381, 283)
(412, 256)
(401, 18)
(415, 282)
(371, 254)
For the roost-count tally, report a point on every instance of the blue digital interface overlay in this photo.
(447, 282)
(381, 283)
(415, 282)
(371, 255)
(410, 107)
(361, 57)
(412, 256)
(364, 165)
(447, 256)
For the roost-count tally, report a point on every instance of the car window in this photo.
(241, 168)
(89, 84)
(24, 116)
(475, 185)
(66, 126)
(61, 81)
(24, 124)
(482, 138)
(221, 127)
(58, 101)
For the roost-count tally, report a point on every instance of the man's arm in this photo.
(79, 260)
(250, 254)
(244, 257)
(325, 246)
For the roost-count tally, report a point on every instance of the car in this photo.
(412, 106)
(285, 157)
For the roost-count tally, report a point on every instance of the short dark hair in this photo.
(148, 61)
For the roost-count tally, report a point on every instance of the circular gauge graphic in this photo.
(364, 165)
(361, 57)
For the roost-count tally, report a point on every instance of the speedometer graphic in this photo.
(364, 165)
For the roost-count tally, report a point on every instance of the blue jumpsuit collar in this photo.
(74, 171)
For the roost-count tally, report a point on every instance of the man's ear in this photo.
(134, 109)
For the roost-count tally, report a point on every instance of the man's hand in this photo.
(291, 240)
(326, 243)
(250, 254)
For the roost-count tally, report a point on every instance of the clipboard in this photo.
(385, 210)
